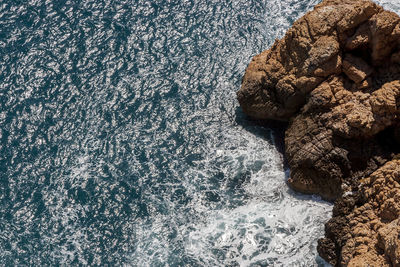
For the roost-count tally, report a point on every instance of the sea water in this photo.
(122, 143)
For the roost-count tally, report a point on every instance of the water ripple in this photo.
(121, 141)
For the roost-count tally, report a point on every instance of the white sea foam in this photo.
(272, 225)
(156, 166)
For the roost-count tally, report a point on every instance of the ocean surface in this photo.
(122, 143)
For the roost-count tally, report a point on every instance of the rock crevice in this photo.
(335, 77)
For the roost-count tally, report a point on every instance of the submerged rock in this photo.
(335, 77)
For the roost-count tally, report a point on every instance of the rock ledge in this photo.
(335, 76)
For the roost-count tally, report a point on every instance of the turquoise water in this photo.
(121, 141)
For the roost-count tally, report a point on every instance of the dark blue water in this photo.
(121, 142)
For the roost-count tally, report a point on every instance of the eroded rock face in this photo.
(335, 76)
(365, 229)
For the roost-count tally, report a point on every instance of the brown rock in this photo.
(375, 226)
(355, 68)
(384, 28)
(360, 39)
(389, 241)
(335, 76)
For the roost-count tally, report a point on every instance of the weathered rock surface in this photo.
(335, 76)
(367, 224)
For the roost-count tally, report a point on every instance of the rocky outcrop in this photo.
(335, 76)
(367, 224)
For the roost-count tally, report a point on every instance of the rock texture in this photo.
(335, 76)
(366, 224)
